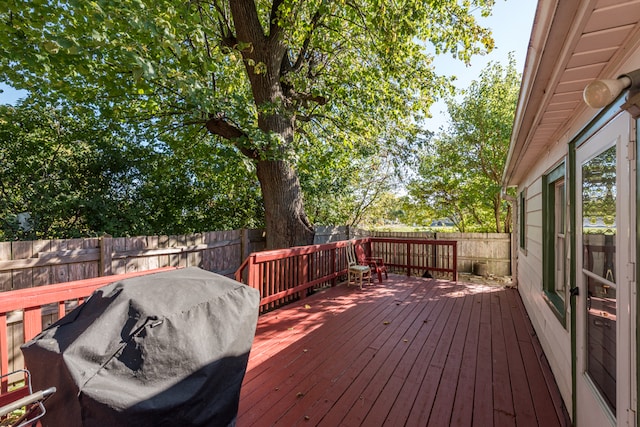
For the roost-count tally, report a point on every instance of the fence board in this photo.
(106, 252)
(22, 278)
(6, 284)
(59, 271)
(41, 275)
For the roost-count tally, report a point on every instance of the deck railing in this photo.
(417, 256)
(31, 301)
(288, 274)
(281, 276)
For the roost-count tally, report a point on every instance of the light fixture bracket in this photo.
(632, 106)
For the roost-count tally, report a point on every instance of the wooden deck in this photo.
(408, 352)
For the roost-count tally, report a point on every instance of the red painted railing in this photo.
(416, 256)
(288, 274)
(31, 301)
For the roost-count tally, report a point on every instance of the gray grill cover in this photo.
(164, 349)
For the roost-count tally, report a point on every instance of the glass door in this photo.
(604, 335)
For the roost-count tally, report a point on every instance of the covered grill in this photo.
(164, 349)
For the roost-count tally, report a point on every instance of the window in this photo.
(523, 220)
(555, 242)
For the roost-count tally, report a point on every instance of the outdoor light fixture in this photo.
(600, 93)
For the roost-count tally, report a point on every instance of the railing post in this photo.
(4, 353)
(253, 274)
(455, 261)
(434, 255)
(408, 259)
(303, 268)
(334, 266)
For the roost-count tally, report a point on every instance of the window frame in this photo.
(523, 219)
(550, 180)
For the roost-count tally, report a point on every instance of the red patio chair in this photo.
(375, 263)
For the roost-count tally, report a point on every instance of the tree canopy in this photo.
(273, 80)
(461, 170)
(74, 175)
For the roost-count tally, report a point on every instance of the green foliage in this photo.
(78, 176)
(274, 80)
(460, 173)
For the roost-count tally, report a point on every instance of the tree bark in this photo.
(497, 202)
(286, 222)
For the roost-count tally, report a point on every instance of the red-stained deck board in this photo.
(409, 351)
(400, 390)
(520, 391)
(409, 393)
(483, 391)
(423, 405)
(462, 414)
(539, 370)
(355, 391)
(341, 339)
(503, 413)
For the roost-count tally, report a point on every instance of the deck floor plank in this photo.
(463, 404)
(483, 392)
(295, 371)
(397, 397)
(504, 413)
(409, 351)
(408, 395)
(365, 390)
(332, 415)
(522, 401)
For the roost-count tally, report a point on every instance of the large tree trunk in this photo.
(286, 222)
(264, 59)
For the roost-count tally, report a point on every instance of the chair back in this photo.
(351, 255)
(361, 257)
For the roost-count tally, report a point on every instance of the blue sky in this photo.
(511, 26)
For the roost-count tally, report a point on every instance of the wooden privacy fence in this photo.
(43, 262)
(26, 266)
(288, 274)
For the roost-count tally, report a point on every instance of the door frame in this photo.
(624, 243)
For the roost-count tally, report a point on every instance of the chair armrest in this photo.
(375, 260)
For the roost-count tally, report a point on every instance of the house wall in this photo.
(554, 337)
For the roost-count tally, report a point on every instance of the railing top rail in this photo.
(36, 297)
(275, 254)
(416, 240)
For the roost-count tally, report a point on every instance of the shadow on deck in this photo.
(410, 351)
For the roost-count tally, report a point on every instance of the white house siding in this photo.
(554, 337)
